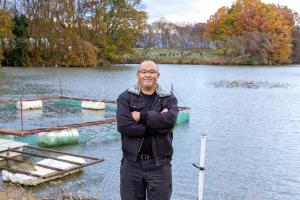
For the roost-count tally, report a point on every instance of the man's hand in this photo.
(164, 110)
(136, 116)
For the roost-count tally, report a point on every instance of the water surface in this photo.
(251, 116)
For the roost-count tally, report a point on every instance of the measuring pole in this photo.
(201, 167)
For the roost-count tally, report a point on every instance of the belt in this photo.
(143, 156)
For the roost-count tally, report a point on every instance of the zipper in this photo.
(141, 145)
(139, 148)
(146, 130)
(152, 137)
(155, 153)
(156, 100)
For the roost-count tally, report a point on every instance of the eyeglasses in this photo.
(151, 72)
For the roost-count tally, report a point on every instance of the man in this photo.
(146, 115)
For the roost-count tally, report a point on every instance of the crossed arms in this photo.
(131, 125)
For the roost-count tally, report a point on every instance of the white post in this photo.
(201, 167)
(21, 101)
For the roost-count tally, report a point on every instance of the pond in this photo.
(251, 116)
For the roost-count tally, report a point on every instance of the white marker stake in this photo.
(201, 174)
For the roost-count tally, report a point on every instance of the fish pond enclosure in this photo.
(65, 133)
(250, 115)
(41, 168)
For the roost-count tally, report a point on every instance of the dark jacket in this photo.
(159, 125)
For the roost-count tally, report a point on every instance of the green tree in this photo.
(116, 24)
(17, 54)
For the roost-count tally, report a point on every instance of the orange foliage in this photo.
(6, 27)
(253, 16)
(80, 53)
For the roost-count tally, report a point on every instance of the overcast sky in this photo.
(196, 10)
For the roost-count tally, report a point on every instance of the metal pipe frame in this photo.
(23, 161)
(59, 97)
(4, 131)
(59, 171)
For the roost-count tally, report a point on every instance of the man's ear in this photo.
(158, 74)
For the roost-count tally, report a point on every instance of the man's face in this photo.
(148, 75)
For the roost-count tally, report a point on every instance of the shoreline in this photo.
(163, 63)
(213, 57)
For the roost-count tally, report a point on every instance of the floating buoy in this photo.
(28, 105)
(94, 105)
(58, 137)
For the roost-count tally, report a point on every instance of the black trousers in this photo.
(144, 178)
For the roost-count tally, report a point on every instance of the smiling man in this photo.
(146, 116)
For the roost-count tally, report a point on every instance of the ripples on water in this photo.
(250, 84)
(252, 129)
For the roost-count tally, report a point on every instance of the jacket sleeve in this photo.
(126, 125)
(162, 123)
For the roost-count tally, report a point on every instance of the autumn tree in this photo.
(86, 32)
(165, 34)
(296, 45)
(263, 32)
(5, 31)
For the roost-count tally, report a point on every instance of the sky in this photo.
(193, 11)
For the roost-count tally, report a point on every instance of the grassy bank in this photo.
(178, 56)
(16, 193)
(188, 56)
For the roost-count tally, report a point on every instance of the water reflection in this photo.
(31, 114)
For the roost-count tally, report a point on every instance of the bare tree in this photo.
(164, 34)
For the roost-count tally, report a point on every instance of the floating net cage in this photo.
(54, 140)
(183, 117)
(111, 107)
(68, 102)
(59, 138)
(7, 137)
(10, 106)
(49, 139)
